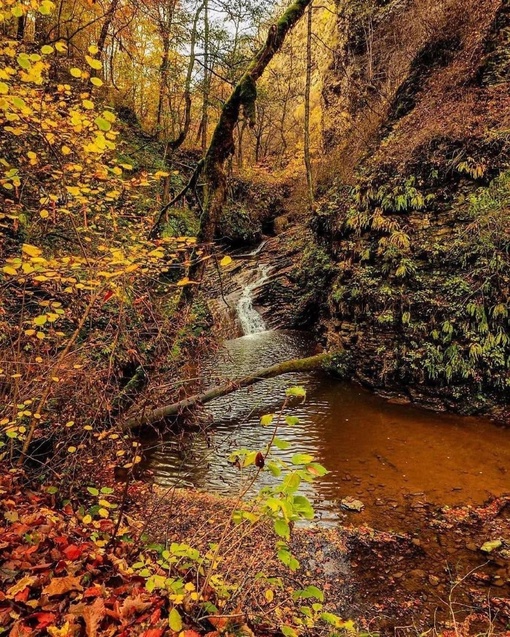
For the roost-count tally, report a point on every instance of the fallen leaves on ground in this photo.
(59, 576)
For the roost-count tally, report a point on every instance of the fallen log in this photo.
(294, 365)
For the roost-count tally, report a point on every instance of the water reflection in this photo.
(375, 451)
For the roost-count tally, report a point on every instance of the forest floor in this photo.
(433, 578)
(61, 576)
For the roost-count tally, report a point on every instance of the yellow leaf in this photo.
(66, 150)
(175, 621)
(44, 214)
(93, 50)
(61, 47)
(87, 519)
(29, 332)
(41, 336)
(95, 64)
(20, 586)
(88, 104)
(226, 260)
(96, 81)
(47, 49)
(75, 72)
(103, 513)
(31, 250)
(65, 631)
(71, 449)
(185, 281)
(109, 116)
(9, 270)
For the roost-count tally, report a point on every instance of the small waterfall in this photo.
(251, 321)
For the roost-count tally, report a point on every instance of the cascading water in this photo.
(251, 321)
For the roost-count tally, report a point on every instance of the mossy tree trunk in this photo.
(221, 146)
(295, 365)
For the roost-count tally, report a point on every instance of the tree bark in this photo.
(296, 365)
(179, 140)
(308, 89)
(207, 79)
(110, 14)
(221, 146)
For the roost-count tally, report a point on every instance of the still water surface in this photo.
(384, 454)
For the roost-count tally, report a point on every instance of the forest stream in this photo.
(391, 458)
(413, 494)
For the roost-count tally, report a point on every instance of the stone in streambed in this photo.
(351, 504)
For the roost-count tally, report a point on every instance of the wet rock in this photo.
(399, 400)
(351, 504)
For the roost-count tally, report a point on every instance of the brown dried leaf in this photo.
(133, 605)
(92, 615)
(62, 585)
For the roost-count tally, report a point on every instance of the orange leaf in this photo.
(43, 619)
(93, 591)
(218, 622)
(62, 585)
(92, 614)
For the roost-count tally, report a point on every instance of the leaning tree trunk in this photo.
(222, 143)
(296, 365)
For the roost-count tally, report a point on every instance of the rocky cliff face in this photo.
(415, 205)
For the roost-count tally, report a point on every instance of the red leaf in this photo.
(93, 591)
(108, 295)
(61, 540)
(22, 596)
(156, 616)
(72, 552)
(154, 632)
(43, 619)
